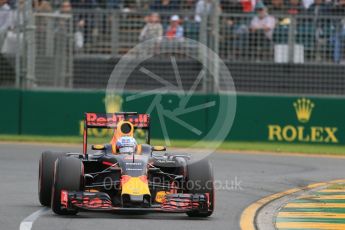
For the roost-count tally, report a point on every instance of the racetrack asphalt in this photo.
(245, 178)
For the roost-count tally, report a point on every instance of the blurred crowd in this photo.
(329, 7)
(169, 18)
(279, 7)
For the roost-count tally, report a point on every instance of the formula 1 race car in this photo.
(146, 180)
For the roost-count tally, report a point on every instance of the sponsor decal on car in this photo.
(160, 196)
(111, 120)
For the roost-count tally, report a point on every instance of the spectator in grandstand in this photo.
(307, 3)
(320, 32)
(295, 7)
(12, 3)
(151, 33)
(248, 6)
(5, 20)
(243, 6)
(231, 6)
(320, 7)
(84, 20)
(152, 29)
(339, 38)
(84, 4)
(42, 6)
(339, 8)
(10, 44)
(66, 8)
(79, 24)
(262, 23)
(202, 7)
(56, 3)
(261, 30)
(142, 4)
(109, 4)
(175, 30)
(130, 5)
(165, 5)
(188, 5)
(277, 7)
(16, 15)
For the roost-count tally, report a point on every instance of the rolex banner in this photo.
(290, 119)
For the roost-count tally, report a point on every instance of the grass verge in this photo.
(337, 186)
(229, 145)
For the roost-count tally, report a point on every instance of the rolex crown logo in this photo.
(304, 108)
(113, 103)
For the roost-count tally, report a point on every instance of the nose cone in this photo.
(135, 191)
(136, 186)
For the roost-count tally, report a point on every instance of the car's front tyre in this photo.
(200, 180)
(46, 176)
(69, 176)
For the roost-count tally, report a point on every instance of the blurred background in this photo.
(57, 56)
(63, 44)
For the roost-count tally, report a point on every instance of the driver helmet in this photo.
(126, 145)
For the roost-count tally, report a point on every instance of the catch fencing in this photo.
(81, 48)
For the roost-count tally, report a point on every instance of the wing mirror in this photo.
(159, 148)
(98, 147)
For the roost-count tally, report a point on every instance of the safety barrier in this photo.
(258, 118)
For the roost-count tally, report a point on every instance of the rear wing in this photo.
(110, 121)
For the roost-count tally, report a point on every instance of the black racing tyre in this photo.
(200, 180)
(46, 176)
(68, 175)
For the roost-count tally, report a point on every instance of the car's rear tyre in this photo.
(69, 176)
(46, 176)
(200, 180)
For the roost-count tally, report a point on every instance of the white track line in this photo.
(26, 224)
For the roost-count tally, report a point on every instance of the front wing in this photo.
(99, 201)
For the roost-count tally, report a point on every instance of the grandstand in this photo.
(76, 43)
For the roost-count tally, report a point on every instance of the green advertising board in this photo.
(290, 119)
(258, 118)
(10, 111)
(57, 113)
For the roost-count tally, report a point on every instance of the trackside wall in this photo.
(258, 118)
